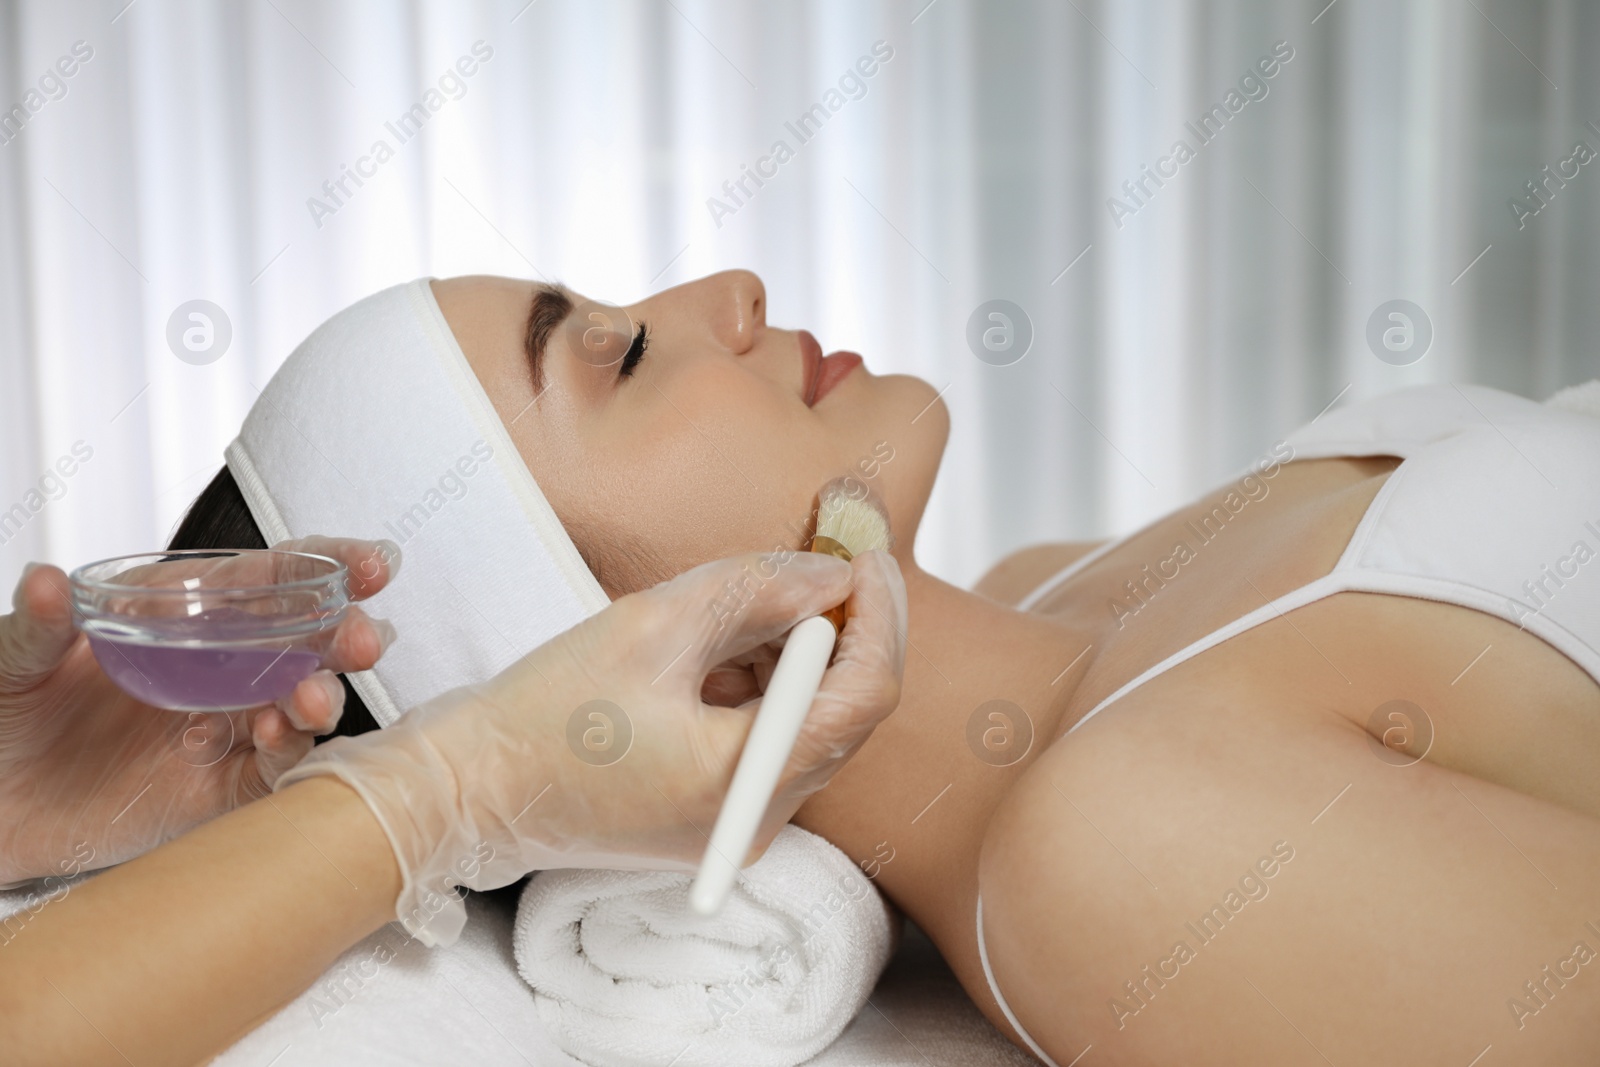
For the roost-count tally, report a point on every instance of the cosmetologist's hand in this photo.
(89, 776)
(600, 748)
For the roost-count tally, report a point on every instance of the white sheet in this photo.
(466, 1004)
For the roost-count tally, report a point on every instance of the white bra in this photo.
(1494, 506)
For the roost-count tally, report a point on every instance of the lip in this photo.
(819, 373)
(810, 366)
(836, 366)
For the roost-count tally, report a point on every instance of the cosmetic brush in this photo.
(850, 521)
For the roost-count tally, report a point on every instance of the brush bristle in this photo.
(856, 520)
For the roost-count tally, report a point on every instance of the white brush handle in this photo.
(783, 710)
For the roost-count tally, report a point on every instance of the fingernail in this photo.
(335, 691)
(387, 634)
(17, 599)
(391, 556)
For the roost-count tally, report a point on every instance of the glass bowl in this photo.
(210, 629)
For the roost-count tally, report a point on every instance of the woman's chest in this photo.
(1475, 692)
(1209, 563)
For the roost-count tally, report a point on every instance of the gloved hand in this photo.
(598, 749)
(89, 776)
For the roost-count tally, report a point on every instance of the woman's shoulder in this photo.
(1024, 570)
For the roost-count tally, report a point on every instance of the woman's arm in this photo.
(168, 959)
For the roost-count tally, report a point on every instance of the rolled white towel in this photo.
(1584, 398)
(625, 974)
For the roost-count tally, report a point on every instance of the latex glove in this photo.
(89, 776)
(528, 772)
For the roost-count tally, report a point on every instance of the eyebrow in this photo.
(550, 308)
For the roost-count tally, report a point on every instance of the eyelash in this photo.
(636, 351)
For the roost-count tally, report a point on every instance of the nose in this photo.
(737, 305)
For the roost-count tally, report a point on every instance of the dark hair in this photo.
(220, 518)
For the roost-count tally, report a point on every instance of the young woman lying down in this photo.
(1303, 772)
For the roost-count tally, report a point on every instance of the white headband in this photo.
(376, 427)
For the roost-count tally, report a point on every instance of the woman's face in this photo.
(715, 442)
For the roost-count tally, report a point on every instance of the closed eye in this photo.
(636, 350)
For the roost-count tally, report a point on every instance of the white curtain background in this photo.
(1168, 350)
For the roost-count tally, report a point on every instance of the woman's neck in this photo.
(986, 690)
(966, 651)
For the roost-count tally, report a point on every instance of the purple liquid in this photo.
(221, 674)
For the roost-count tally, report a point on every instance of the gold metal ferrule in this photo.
(829, 547)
